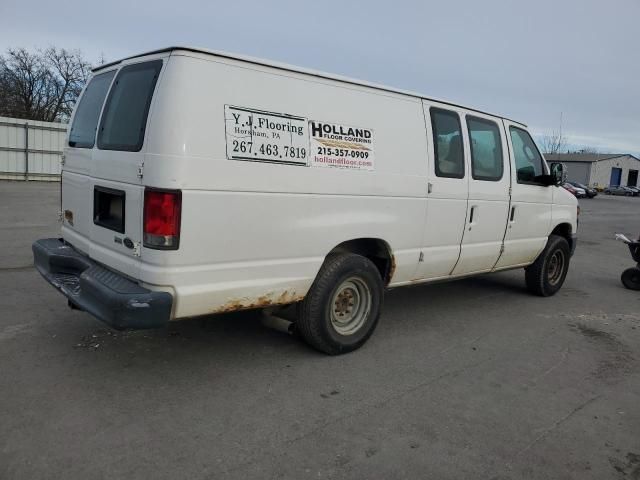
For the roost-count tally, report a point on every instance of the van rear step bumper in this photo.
(112, 298)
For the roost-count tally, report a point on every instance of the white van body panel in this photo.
(564, 209)
(83, 170)
(254, 233)
(269, 204)
(486, 212)
(93, 240)
(528, 231)
(446, 213)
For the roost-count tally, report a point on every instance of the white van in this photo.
(197, 182)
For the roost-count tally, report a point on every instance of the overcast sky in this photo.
(526, 60)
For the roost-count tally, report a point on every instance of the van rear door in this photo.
(102, 192)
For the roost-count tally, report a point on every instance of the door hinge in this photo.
(421, 257)
(429, 187)
(136, 249)
(501, 249)
(510, 189)
(63, 158)
(140, 170)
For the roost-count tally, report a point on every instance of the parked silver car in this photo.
(620, 190)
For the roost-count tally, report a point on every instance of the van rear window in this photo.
(125, 115)
(447, 143)
(486, 149)
(85, 121)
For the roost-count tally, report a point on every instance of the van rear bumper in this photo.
(109, 296)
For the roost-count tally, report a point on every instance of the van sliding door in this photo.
(447, 192)
(488, 204)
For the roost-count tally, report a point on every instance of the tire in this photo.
(342, 308)
(631, 278)
(546, 275)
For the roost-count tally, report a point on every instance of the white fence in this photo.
(30, 150)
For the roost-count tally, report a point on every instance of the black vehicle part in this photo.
(107, 295)
(546, 275)
(342, 308)
(631, 278)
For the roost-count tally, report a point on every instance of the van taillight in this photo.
(162, 218)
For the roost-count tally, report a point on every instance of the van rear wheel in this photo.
(546, 275)
(342, 308)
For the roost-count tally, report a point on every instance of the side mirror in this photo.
(559, 173)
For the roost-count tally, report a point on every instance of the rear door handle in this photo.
(512, 215)
(471, 214)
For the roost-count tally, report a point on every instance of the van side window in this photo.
(529, 163)
(85, 121)
(124, 119)
(486, 149)
(447, 143)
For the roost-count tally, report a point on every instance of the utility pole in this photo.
(560, 134)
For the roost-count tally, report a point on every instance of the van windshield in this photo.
(85, 121)
(125, 115)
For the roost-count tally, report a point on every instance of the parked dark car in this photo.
(575, 191)
(619, 190)
(591, 192)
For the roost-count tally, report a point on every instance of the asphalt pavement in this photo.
(473, 379)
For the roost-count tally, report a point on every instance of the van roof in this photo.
(306, 71)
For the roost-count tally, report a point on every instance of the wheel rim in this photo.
(556, 267)
(350, 306)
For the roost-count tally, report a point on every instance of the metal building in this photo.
(31, 150)
(600, 169)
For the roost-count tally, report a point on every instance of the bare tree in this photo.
(23, 84)
(554, 143)
(70, 73)
(41, 85)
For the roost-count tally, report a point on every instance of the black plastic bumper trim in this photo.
(107, 295)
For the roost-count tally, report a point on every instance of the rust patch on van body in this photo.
(392, 269)
(268, 300)
(68, 216)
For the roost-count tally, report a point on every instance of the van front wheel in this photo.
(342, 308)
(546, 275)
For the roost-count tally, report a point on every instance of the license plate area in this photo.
(108, 208)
